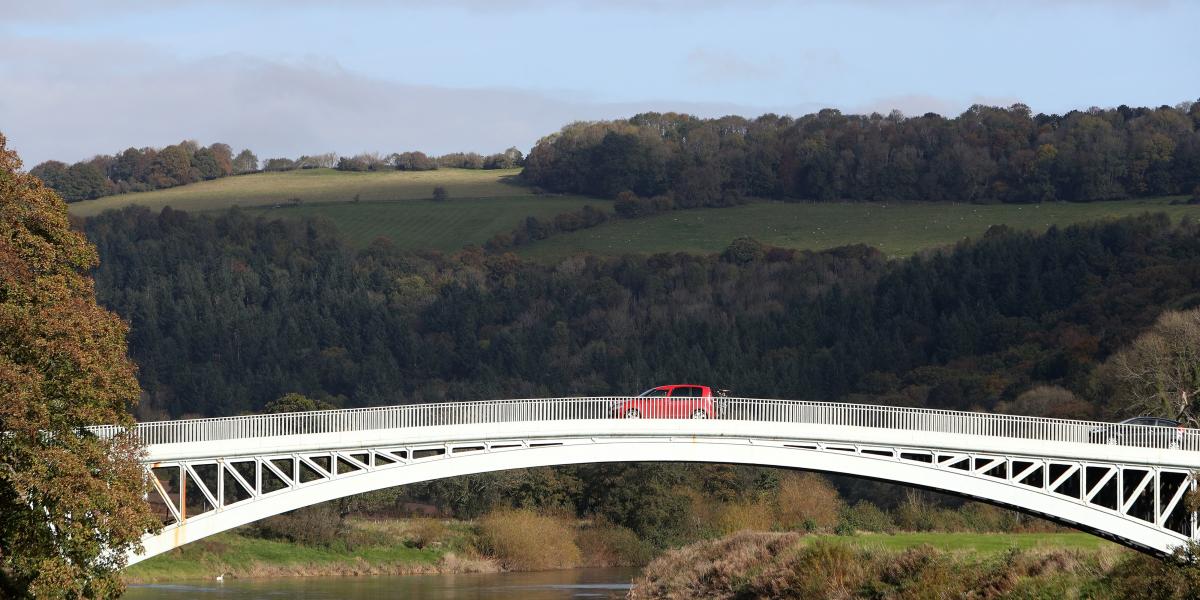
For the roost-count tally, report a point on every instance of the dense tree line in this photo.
(230, 312)
(986, 154)
(533, 229)
(419, 161)
(143, 169)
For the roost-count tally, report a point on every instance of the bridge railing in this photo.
(740, 409)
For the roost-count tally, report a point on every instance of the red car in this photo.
(680, 401)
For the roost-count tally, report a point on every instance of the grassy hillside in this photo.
(313, 186)
(483, 203)
(896, 229)
(445, 226)
(389, 203)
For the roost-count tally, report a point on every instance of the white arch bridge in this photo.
(1123, 482)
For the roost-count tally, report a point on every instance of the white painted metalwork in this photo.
(1126, 482)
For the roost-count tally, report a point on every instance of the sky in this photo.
(291, 77)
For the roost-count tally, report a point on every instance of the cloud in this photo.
(68, 101)
(722, 66)
(71, 100)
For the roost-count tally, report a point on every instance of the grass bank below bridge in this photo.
(370, 547)
(402, 547)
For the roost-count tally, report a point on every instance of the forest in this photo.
(229, 312)
(143, 169)
(986, 154)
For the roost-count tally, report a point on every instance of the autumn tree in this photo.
(1159, 373)
(245, 162)
(413, 161)
(71, 502)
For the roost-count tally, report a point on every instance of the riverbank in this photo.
(369, 547)
(425, 546)
(791, 565)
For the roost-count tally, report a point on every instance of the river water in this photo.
(592, 584)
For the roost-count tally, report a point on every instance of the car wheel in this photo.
(699, 414)
(633, 413)
(1112, 441)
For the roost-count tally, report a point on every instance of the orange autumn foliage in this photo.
(70, 503)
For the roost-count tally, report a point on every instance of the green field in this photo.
(896, 229)
(386, 553)
(483, 203)
(311, 186)
(425, 225)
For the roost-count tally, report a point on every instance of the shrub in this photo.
(425, 532)
(865, 516)
(414, 161)
(822, 569)
(1141, 576)
(844, 528)
(743, 516)
(628, 205)
(807, 497)
(711, 568)
(981, 517)
(279, 164)
(523, 540)
(604, 544)
(916, 514)
(744, 250)
(352, 163)
(319, 525)
(764, 565)
(921, 571)
(461, 160)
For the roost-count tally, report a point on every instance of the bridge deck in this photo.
(959, 423)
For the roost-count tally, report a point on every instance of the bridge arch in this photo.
(211, 476)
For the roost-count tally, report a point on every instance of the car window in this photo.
(1167, 423)
(682, 392)
(655, 393)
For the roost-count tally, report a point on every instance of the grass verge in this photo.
(983, 543)
(380, 548)
(896, 229)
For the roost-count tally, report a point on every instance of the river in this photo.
(593, 584)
